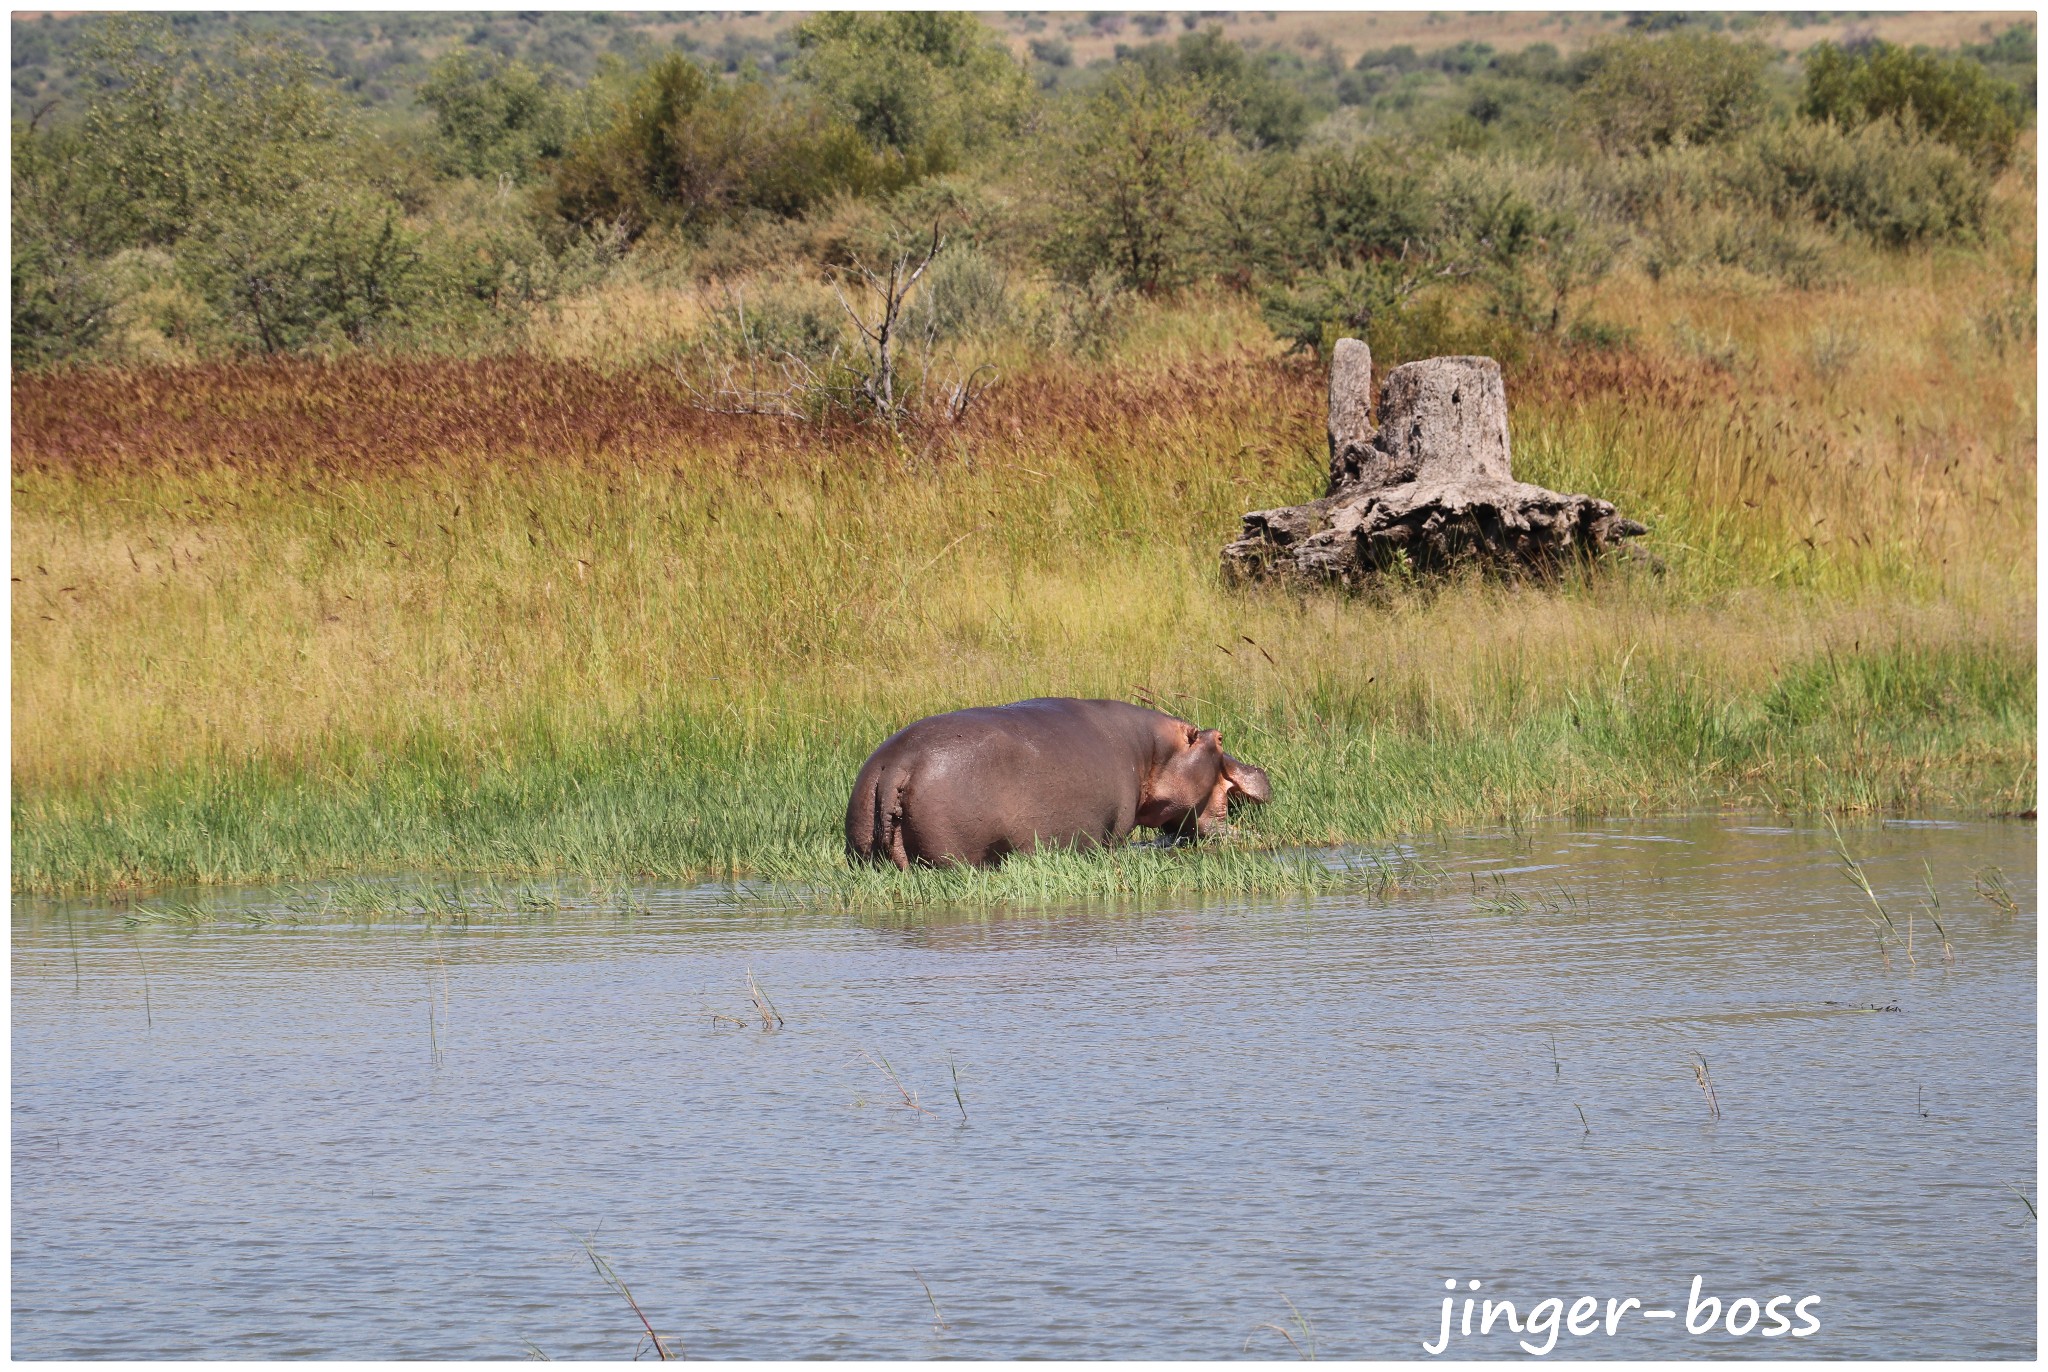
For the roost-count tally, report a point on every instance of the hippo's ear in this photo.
(1247, 780)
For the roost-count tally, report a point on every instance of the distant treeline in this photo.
(196, 186)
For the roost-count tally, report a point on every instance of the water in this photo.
(386, 1139)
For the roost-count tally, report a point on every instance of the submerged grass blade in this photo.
(1933, 908)
(602, 1266)
(958, 1099)
(148, 1012)
(1705, 1078)
(1991, 884)
(1304, 1347)
(938, 1319)
(881, 1064)
(1853, 870)
(771, 1018)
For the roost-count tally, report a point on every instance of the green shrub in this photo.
(494, 118)
(1052, 51)
(925, 84)
(491, 251)
(1688, 87)
(1795, 251)
(677, 149)
(1247, 229)
(1689, 212)
(1535, 236)
(186, 135)
(1254, 104)
(1533, 239)
(964, 292)
(1897, 185)
(243, 166)
(1433, 324)
(781, 319)
(66, 218)
(1340, 300)
(1951, 98)
(158, 317)
(1755, 203)
(1129, 176)
(2011, 56)
(1536, 62)
(328, 266)
(1356, 203)
(1084, 319)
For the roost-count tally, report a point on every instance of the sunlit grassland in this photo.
(535, 615)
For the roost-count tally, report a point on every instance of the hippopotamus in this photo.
(971, 787)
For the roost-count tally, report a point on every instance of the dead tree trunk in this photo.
(1427, 490)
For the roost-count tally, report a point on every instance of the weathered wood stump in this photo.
(1426, 490)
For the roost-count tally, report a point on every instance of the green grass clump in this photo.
(1133, 875)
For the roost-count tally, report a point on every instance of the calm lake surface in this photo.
(387, 1138)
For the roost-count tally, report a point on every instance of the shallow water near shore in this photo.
(247, 1129)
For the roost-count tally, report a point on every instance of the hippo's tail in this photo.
(874, 818)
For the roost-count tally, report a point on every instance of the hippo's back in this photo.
(972, 786)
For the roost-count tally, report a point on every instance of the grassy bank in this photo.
(537, 615)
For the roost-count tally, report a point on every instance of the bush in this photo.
(963, 293)
(185, 135)
(488, 257)
(1667, 195)
(1756, 203)
(1353, 204)
(244, 168)
(1401, 59)
(495, 118)
(1897, 185)
(1536, 237)
(1795, 251)
(2010, 57)
(1951, 98)
(1053, 52)
(1537, 62)
(1532, 239)
(159, 317)
(1463, 59)
(777, 320)
(1084, 319)
(1130, 174)
(327, 266)
(1646, 93)
(66, 218)
(1249, 99)
(1246, 218)
(923, 83)
(680, 150)
(1316, 309)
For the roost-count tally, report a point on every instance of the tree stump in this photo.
(1427, 490)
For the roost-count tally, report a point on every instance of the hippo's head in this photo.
(1193, 781)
